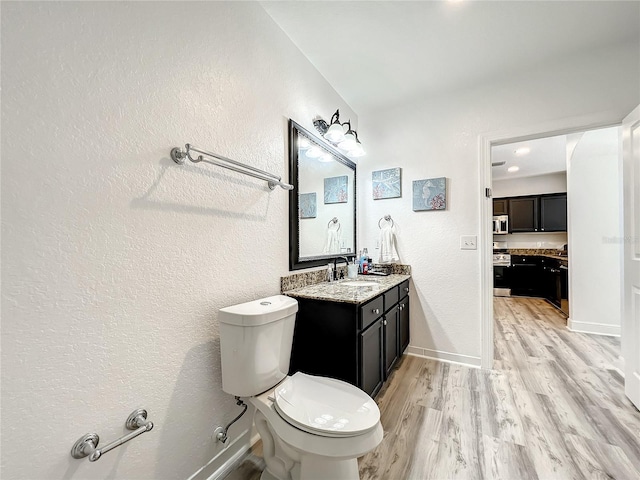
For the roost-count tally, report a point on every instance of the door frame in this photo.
(561, 126)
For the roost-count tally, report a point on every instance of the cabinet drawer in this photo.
(390, 298)
(371, 311)
(404, 289)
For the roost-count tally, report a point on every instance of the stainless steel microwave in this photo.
(501, 224)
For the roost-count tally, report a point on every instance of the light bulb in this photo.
(314, 152)
(357, 151)
(303, 143)
(349, 142)
(335, 133)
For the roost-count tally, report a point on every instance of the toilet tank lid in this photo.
(259, 312)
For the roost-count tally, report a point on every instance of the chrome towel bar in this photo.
(272, 180)
(87, 445)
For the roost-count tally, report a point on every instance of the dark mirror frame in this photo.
(295, 263)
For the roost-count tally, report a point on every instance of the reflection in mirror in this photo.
(322, 213)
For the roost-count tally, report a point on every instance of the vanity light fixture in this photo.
(334, 133)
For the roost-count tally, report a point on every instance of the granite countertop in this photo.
(334, 292)
(548, 253)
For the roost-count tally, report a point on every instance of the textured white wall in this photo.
(535, 185)
(115, 260)
(595, 234)
(438, 137)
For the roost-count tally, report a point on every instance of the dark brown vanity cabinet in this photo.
(357, 343)
(403, 307)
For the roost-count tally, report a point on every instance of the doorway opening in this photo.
(527, 195)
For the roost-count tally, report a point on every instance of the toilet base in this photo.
(287, 463)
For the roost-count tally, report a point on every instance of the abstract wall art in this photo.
(335, 189)
(430, 194)
(387, 183)
(308, 205)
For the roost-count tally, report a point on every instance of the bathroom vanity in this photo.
(352, 330)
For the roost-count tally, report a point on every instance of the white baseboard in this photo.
(448, 357)
(593, 328)
(228, 459)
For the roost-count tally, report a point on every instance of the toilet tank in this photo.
(255, 344)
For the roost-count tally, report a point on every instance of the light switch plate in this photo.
(468, 242)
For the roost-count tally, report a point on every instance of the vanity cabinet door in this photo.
(403, 327)
(391, 341)
(371, 368)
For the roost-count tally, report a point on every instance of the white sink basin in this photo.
(359, 283)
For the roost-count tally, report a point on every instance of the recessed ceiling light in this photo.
(513, 169)
(522, 151)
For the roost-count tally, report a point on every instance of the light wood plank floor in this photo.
(553, 407)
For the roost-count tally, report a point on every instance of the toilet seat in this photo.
(325, 406)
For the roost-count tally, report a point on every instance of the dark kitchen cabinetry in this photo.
(553, 213)
(500, 206)
(535, 213)
(538, 276)
(524, 214)
(526, 275)
(357, 343)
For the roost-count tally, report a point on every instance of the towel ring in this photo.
(334, 220)
(387, 218)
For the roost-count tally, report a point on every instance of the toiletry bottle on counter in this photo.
(365, 262)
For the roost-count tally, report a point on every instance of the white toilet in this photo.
(311, 427)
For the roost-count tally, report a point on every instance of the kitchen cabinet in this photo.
(358, 343)
(539, 276)
(526, 275)
(524, 214)
(534, 213)
(553, 213)
(500, 206)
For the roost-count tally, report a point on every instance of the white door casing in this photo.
(631, 259)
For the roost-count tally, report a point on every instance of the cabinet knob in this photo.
(384, 323)
(406, 289)
(401, 306)
(376, 311)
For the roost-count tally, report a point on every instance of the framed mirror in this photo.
(322, 205)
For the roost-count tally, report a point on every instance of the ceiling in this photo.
(381, 53)
(546, 155)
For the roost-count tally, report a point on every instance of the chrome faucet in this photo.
(335, 266)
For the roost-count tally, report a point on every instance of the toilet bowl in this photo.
(311, 427)
(296, 446)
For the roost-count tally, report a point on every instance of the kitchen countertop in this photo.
(533, 253)
(334, 292)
